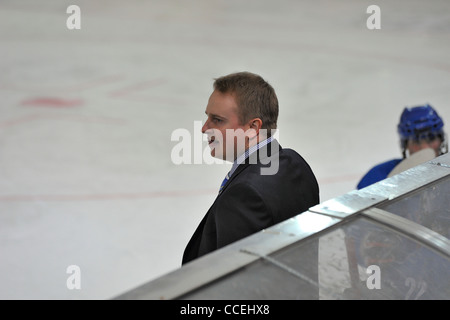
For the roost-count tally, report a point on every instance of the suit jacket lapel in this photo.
(193, 245)
(261, 154)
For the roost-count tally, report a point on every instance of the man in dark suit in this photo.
(267, 183)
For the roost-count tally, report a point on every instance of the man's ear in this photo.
(256, 124)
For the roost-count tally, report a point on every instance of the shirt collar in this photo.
(248, 152)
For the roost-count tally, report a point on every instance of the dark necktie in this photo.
(224, 182)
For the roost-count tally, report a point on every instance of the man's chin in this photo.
(220, 156)
(217, 155)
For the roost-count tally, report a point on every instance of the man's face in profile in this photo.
(222, 112)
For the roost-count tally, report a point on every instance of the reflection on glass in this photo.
(391, 266)
(357, 259)
(428, 206)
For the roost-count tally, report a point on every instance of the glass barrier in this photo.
(358, 259)
(428, 206)
(388, 241)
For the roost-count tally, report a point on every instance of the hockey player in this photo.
(422, 138)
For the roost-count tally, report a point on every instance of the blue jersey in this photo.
(378, 173)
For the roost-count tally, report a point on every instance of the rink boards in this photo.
(390, 240)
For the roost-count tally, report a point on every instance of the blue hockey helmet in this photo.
(420, 123)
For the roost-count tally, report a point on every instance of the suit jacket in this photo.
(252, 201)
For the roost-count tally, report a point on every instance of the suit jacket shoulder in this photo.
(278, 185)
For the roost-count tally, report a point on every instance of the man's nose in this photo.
(205, 126)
